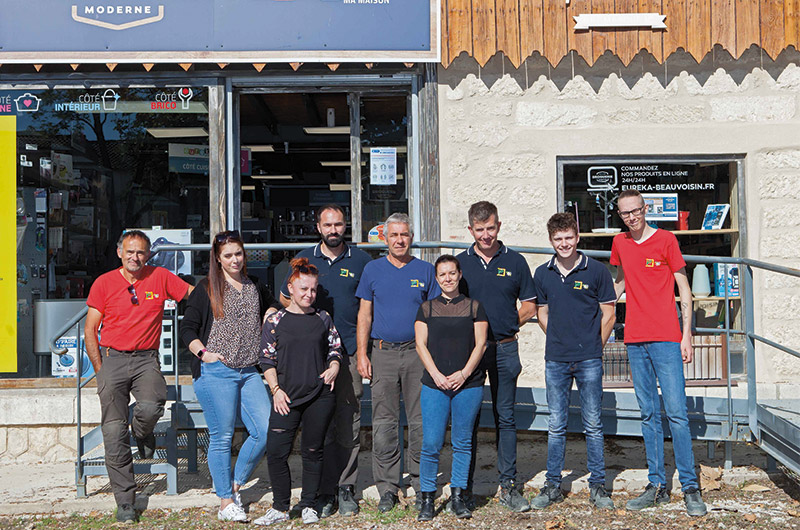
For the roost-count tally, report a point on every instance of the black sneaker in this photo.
(348, 505)
(549, 494)
(326, 505)
(511, 498)
(387, 502)
(600, 498)
(695, 506)
(146, 446)
(126, 513)
(651, 496)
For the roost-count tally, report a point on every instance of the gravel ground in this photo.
(765, 504)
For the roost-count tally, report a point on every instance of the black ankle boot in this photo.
(458, 504)
(426, 508)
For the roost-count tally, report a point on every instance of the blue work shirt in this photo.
(396, 294)
(498, 285)
(336, 292)
(573, 308)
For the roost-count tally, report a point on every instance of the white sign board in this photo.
(383, 166)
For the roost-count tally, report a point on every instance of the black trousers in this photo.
(314, 417)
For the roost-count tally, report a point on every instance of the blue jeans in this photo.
(588, 375)
(438, 407)
(662, 360)
(224, 393)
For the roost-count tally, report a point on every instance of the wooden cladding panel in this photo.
(747, 25)
(580, 41)
(791, 23)
(723, 24)
(627, 40)
(508, 29)
(698, 28)
(555, 30)
(484, 31)
(772, 27)
(518, 28)
(459, 27)
(531, 27)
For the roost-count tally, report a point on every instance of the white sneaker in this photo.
(232, 512)
(310, 516)
(237, 499)
(272, 516)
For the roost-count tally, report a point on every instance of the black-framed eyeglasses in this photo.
(636, 212)
(134, 298)
(227, 235)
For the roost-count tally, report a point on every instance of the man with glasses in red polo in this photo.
(129, 303)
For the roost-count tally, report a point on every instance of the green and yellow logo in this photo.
(580, 285)
(503, 272)
(148, 295)
(649, 262)
(345, 273)
(415, 283)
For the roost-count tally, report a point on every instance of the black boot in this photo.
(426, 508)
(458, 504)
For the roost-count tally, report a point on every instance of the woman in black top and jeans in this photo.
(451, 336)
(301, 357)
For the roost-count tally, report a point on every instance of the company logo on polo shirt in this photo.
(503, 272)
(149, 295)
(117, 16)
(345, 273)
(650, 262)
(417, 283)
(580, 285)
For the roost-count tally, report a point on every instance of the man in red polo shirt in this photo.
(129, 303)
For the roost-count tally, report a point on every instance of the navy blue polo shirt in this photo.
(573, 308)
(396, 294)
(336, 293)
(497, 286)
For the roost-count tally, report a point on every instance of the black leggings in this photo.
(314, 416)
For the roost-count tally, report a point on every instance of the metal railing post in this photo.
(80, 478)
(752, 402)
(728, 443)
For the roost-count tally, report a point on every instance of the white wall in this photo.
(502, 129)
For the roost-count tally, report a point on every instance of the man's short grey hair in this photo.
(398, 217)
(133, 233)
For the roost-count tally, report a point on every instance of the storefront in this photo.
(247, 115)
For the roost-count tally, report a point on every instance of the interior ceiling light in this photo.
(335, 163)
(177, 132)
(340, 187)
(248, 188)
(260, 148)
(342, 129)
(272, 177)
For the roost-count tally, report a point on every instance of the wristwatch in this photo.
(201, 353)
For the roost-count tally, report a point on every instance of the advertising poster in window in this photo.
(8, 242)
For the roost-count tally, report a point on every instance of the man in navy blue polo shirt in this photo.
(391, 291)
(576, 294)
(340, 268)
(497, 277)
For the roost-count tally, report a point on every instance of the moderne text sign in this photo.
(48, 31)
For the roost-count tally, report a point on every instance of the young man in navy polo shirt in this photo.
(391, 291)
(340, 267)
(576, 294)
(497, 277)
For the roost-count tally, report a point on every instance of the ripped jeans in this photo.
(314, 417)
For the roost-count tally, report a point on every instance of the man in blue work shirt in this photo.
(497, 277)
(340, 268)
(576, 294)
(391, 291)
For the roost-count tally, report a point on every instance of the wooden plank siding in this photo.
(520, 28)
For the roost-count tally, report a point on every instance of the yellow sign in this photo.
(8, 244)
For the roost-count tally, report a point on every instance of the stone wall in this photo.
(501, 130)
(38, 425)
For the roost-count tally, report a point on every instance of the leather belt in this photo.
(386, 345)
(505, 340)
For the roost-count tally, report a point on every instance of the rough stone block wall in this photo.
(502, 129)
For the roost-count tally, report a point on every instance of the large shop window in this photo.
(698, 200)
(90, 164)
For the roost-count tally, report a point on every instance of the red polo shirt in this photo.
(129, 326)
(650, 269)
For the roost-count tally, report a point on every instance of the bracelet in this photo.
(274, 389)
(201, 353)
(462, 375)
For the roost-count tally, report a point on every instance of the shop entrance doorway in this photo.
(301, 150)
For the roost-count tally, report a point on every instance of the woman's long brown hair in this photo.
(216, 278)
